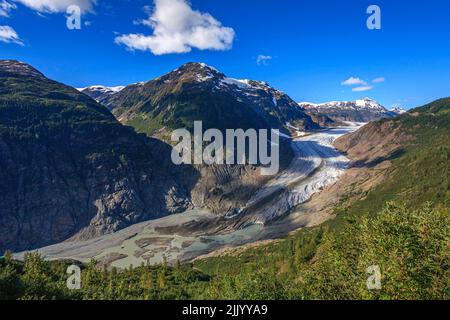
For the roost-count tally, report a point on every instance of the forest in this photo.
(410, 247)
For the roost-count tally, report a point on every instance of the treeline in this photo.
(409, 248)
(38, 279)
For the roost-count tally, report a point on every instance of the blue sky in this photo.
(313, 45)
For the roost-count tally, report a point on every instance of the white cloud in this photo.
(262, 60)
(352, 81)
(362, 88)
(378, 80)
(6, 7)
(9, 35)
(54, 6)
(360, 85)
(177, 28)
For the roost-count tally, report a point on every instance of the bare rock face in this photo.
(224, 188)
(69, 169)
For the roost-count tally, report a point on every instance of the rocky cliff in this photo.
(69, 169)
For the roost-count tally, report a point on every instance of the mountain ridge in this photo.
(361, 110)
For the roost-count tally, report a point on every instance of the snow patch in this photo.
(361, 104)
(103, 89)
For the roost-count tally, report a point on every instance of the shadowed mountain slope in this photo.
(68, 168)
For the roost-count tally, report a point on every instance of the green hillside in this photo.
(420, 168)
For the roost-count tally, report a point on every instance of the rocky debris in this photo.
(144, 242)
(106, 261)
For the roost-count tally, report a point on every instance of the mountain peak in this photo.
(398, 110)
(197, 68)
(362, 103)
(201, 68)
(197, 65)
(102, 89)
(368, 103)
(15, 67)
(196, 71)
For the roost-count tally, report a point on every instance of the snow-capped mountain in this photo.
(196, 91)
(398, 110)
(364, 110)
(100, 93)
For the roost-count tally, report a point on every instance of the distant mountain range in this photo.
(201, 92)
(364, 110)
(100, 93)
